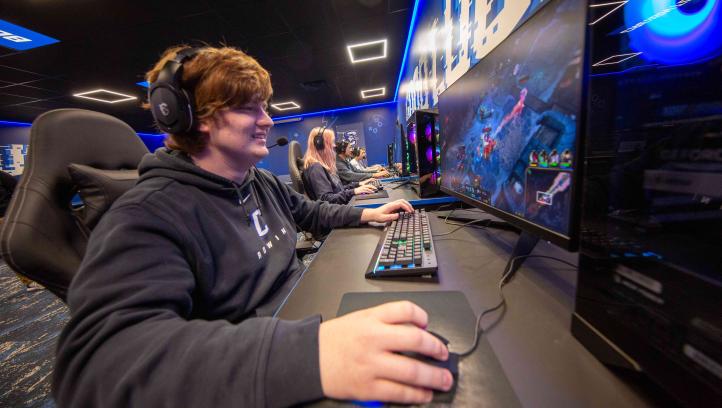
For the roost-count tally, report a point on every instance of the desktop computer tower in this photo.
(423, 139)
(649, 290)
(391, 158)
(408, 149)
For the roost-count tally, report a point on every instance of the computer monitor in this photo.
(510, 126)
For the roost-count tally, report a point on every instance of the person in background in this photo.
(320, 177)
(345, 169)
(358, 161)
(174, 300)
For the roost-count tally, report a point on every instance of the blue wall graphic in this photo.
(449, 38)
(373, 128)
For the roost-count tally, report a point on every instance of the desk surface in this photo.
(532, 342)
(406, 192)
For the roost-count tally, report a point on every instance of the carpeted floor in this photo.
(30, 322)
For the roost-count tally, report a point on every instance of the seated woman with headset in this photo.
(345, 169)
(320, 177)
(359, 158)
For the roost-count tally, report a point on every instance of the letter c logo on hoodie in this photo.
(257, 222)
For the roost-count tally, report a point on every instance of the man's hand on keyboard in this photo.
(358, 361)
(366, 189)
(387, 212)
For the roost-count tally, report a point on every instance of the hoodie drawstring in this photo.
(241, 202)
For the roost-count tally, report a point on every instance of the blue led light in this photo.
(369, 403)
(144, 84)
(396, 266)
(9, 123)
(666, 33)
(650, 254)
(406, 50)
(151, 134)
(18, 38)
(381, 268)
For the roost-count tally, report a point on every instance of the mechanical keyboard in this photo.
(405, 248)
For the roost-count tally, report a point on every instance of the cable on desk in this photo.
(502, 303)
(460, 226)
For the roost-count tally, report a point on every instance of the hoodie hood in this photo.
(178, 165)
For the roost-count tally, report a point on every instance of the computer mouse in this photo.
(451, 364)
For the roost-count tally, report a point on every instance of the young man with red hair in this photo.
(173, 302)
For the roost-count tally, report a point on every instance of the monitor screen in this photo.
(510, 125)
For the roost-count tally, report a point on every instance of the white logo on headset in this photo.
(256, 221)
(164, 109)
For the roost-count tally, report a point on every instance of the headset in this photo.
(170, 104)
(318, 139)
(341, 146)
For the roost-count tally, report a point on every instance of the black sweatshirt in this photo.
(324, 186)
(171, 305)
(348, 174)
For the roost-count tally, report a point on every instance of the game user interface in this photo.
(510, 124)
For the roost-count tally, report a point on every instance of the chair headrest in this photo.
(40, 236)
(295, 164)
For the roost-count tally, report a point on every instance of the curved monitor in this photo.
(510, 125)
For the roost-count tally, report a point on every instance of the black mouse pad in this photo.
(481, 380)
(378, 194)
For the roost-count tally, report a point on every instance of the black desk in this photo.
(405, 192)
(544, 364)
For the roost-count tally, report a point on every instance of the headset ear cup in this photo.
(171, 105)
(318, 142)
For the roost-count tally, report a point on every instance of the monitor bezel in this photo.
(569, 242)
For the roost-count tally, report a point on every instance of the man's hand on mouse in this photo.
(387, 212)
(358, 360)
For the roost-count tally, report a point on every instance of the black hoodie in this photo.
(172, 301)
(322, 185)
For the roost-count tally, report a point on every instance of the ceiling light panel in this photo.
(284, 106)
(373, 93)
(368, 51)
(104, 95)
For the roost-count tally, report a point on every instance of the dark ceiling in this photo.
(109, 44)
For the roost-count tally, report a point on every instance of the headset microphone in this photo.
(281, 141)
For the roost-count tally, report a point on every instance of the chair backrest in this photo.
(295, 164)
(41, 238)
